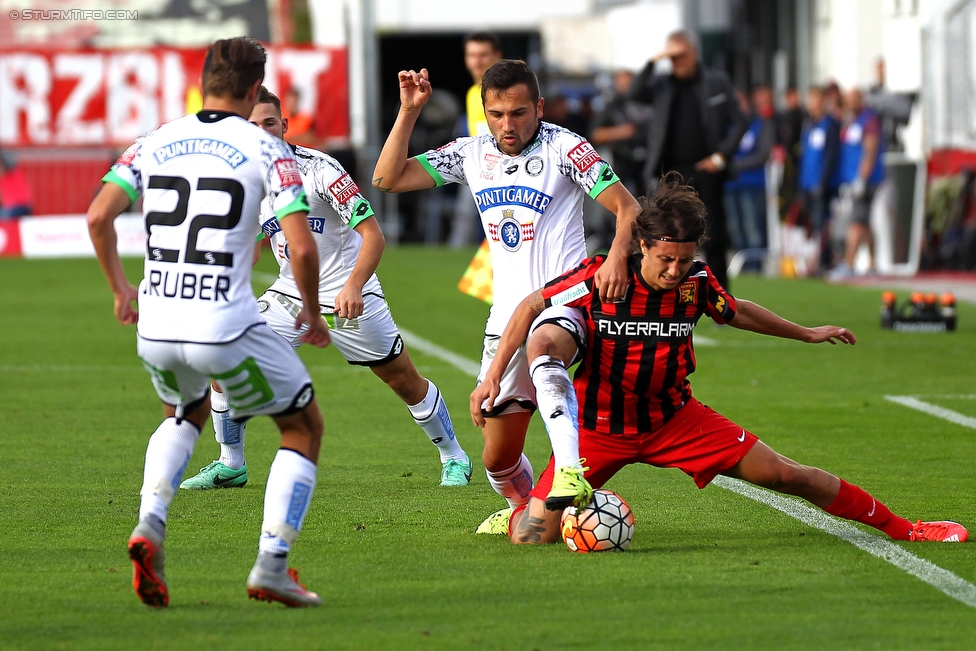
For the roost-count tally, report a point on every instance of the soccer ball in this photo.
(605, 524)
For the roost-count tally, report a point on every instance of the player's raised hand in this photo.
(831, 334)
(318, 330)
(483, 397)
(125, 311)
(414, 88)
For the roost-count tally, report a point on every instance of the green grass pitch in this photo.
(394, 557)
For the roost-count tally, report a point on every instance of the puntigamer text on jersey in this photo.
(221, 150)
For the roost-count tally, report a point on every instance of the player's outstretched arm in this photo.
(612, 277)
(483, 397)
(108, 204)
(756, 318)
(394, 172)
(349, 301)
(304, 256)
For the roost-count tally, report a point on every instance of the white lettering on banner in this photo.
(132, 108)
(106, 97)
(302, 67)
(173, 89)
(25, 82)
(72, 125)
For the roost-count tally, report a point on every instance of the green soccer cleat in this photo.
(216, 475)
(569, 488)
(456, 473)
(496, 523)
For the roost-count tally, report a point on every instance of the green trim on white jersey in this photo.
(300, 204)
(360, 213)
(607, 178)
(112, 177)
(434, 174)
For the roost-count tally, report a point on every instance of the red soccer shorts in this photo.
(698, 440)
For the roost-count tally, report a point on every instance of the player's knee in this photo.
(551, 340)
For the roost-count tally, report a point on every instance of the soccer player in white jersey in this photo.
(529, 179)
(202, 178)
(350, 244)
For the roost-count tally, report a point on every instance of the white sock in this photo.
(167, 454)
(556, 398)
(229, 434)
(432, 416)
(513, 484)
(291, 483)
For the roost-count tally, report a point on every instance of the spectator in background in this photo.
(859, 172)
(789, 126)
(622, 126)
(745, 197)
(481, 50)
(696, 129)
(16, 198)
(819, 149)
(834, 101)
(301, 124)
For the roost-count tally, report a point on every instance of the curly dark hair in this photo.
(673, 213)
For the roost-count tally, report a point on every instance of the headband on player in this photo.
(670, 239)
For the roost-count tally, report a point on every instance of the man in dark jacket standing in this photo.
(695, 131)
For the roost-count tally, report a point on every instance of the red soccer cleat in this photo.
(940, 531)
(146, 553)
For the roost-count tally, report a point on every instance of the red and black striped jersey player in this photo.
(635, 401)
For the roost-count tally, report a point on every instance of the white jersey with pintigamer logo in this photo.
(531, 206)
(202, 178)
(336, 207)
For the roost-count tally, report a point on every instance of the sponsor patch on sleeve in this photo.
(288, 172)
(583, 156)
(569, 295)
(344, 189)
(128, 156)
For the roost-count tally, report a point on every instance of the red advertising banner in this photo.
(51, 98)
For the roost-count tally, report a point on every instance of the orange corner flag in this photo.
(477, 278)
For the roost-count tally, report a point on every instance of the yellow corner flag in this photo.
(477, 278)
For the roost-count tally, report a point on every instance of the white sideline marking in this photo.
(934, 410)
(942, 580)
(704, 341)
(463, 364)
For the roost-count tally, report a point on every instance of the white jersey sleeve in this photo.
(286, 191)
(326, 180)
(583, 165)
(446, 164)
(126, 172)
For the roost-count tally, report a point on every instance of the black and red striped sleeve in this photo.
(719, 304)
(574, 287)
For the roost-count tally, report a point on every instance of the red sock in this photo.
(854, 503)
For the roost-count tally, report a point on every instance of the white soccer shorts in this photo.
(516, 392)
(371, 339)
(258, 372)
